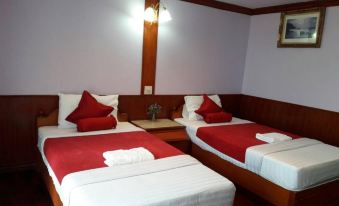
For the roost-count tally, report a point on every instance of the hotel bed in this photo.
(74, 177)
(298, 172)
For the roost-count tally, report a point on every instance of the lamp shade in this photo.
(164, 15)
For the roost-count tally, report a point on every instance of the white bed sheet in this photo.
(295, 165)
(55, 132)
(184, 181)
(177, 180)
(193, 126)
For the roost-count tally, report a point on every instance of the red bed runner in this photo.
(233, 140)
(73, 154)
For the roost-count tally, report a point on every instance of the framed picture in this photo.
(301, 29)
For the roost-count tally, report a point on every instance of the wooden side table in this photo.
(168, 131)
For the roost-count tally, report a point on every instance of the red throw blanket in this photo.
(73, 154)
(233, 140)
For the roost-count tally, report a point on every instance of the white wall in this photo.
(303, 76)
(202, 50)
(51, 46)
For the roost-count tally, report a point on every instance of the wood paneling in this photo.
(301, 120)
(18, 139)
(18, 119)
(18, 131)
(149, 51)
(222, 6)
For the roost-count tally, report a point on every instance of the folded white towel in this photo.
(121, 157)
(273, 137)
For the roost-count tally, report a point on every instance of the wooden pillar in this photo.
(149, 51)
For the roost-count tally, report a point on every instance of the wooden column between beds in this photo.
(325, 194)
(52, 120)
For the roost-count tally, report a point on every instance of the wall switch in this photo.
(148, 90)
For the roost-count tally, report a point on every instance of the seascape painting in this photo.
(301, 28)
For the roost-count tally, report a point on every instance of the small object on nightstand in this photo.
(153, 110)
(168, 131)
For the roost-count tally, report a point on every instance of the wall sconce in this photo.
(151, 14)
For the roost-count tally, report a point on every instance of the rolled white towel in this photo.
(131, 156)
(272, 137)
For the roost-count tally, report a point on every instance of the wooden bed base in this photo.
(326, 194)
(52, 120)
(42, 169)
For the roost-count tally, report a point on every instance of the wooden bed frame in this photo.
(52, 120)
(325, 194)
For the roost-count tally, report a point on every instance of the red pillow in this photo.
(88, 107)
(217, 117)
(208, 106)
(96, 123)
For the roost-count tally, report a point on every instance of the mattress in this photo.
(177, 180)
(294, 165)
(55, 132)
(193, 126)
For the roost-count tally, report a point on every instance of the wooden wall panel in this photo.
(136, 106)
(305, 121)
(17, 126)
(18, 139)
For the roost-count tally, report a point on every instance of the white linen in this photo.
(69, 102)
(193, 126)
(178, 180)
(256, 154)
(129, 156)
(295, 165)
(185, 113)
(55, 132)
(186, 182)
(193, 103)
(272, 137)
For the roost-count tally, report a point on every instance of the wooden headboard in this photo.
(52, 118)
(177, 113)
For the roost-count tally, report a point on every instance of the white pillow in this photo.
(185, 114)
(69, 102)
(194, 102)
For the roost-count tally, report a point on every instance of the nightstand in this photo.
(168, 131)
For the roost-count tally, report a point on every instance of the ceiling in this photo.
(260, 3)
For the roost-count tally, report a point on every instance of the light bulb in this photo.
(150, 15)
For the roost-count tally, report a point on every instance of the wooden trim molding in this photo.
(295, 6)
(265, 10)
(149, 51)
(222, 6)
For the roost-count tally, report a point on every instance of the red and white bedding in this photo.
(76, 165)
(295, 165)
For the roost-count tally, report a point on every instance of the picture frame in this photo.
(301, 29)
